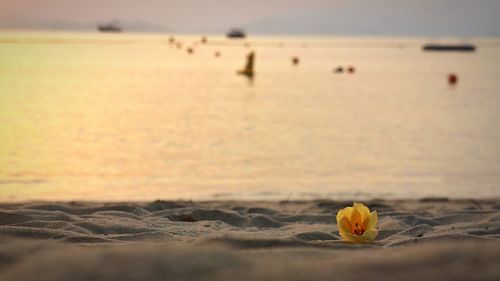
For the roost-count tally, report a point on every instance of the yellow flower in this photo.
(357, 224)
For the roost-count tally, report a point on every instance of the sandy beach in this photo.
(249, 140)
(427, 239)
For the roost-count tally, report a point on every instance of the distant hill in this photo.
(128, 26)
(458, 18)
(389, 17)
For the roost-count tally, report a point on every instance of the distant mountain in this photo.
(128, 26)
(460, 18)
(429, 18)
(142, 26)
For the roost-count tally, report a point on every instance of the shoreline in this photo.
(257, 199)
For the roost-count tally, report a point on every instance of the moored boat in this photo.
(110, 27)
(449, 47)
(236, 33)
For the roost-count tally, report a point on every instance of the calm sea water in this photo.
(131, 117)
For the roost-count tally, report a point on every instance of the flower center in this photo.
(358, 230)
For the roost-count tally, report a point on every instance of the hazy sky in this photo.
(412, 17)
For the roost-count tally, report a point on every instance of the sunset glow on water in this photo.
(132, 117)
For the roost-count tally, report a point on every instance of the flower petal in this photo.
(349, 237)
(369, 235)
(346, 212)
(373, 220)
(344, 225)
(356, 218)
(362, 209)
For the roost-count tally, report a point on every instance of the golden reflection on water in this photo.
(129, 117)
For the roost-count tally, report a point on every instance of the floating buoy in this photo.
(248, 70)
(351, 69)
(338, 69)
(217, 54)
(295, 60)
(452, 79)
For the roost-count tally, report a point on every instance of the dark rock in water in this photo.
(248, 70)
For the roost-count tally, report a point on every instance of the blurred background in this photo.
(115, 100)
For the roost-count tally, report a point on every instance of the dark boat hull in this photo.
(236, 33)
(449, 48)
(109, 28)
